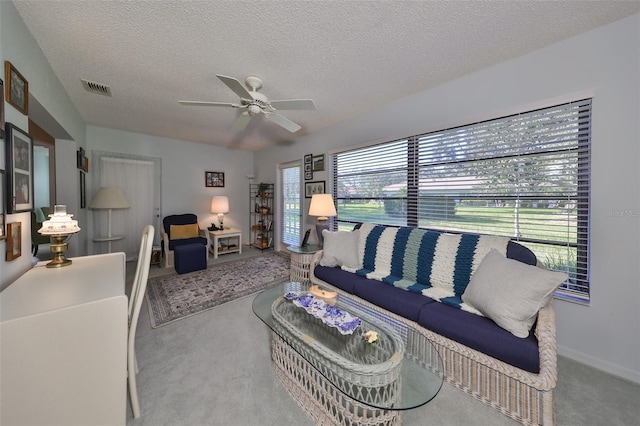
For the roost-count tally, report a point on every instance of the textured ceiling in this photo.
(348, 56)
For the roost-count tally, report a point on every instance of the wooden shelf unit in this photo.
(262, 218)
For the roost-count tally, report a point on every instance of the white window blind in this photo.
(525, 176)
(291, 205)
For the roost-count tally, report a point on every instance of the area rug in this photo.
(173, 297)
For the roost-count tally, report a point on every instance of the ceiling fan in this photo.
(255, 103)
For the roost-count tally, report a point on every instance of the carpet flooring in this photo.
(174, 297)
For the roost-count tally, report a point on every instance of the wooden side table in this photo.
(301, 257)
(227, 235)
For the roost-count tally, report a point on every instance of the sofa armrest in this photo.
(546, 334)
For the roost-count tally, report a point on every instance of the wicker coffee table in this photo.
(339, 379)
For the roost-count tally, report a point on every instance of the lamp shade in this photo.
(220, 204)
(109, 198)
(322, 205)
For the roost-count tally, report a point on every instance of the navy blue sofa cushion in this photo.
(474, 331)
(481, 334)
(401, 302)
(337, 277)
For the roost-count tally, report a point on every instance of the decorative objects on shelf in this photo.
(59, 227)
(19, 150)
(262, 231)
(17, 91)
(323, 207)
(220, 206)
(109, 198)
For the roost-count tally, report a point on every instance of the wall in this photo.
(183, 168)
(605, 63)
(18, 46)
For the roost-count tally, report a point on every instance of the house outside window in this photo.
(525, 176)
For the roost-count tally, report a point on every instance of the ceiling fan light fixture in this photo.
(254, 109)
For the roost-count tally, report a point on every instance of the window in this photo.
(291, 204)
(525, 176)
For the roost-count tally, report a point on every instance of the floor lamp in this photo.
(109, 198)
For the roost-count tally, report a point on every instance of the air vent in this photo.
(97, 88)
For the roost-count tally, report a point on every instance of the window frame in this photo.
(579, 112)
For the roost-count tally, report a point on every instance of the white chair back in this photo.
(135, 302)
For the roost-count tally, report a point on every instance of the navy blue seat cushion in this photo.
(396, 300)
(191, 257)
(481, 334)
(187, 241)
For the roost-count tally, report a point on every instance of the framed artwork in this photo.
(214, 179)
(80, 158)
(313, 188)
(318, 163)
(2, 209)
(14, 240)
(308, 175)
(83, 191)
(19, 150)
(308, 158)
(17, 90)
(1, 109)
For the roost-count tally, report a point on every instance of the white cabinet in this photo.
(63, 344)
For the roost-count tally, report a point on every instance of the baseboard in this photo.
(600, 364)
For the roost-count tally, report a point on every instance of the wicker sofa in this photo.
(515, 375)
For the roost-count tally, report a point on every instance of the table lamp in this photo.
(220, 205)
(59, 228)
(109, 198)
(323, 207)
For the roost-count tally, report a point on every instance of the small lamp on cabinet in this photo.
(323, 207)
(59, 228)
(220, 205)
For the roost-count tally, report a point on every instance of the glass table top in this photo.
(417, 381)
(306, 249)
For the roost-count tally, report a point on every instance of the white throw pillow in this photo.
(511, 292)
(340, 248)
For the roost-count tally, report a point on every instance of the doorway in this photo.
(44, 170)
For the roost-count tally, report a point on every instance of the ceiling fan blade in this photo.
(284, 122)
(236, 86)
(242, 121)
(205, 103)
(293, 104)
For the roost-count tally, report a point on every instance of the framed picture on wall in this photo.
(313, 188)
(3, 235)
(1, 109)
(83, 191)
(318, 163)
(14, 240)
(214, 179)
(19, 153)
(17, 88)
